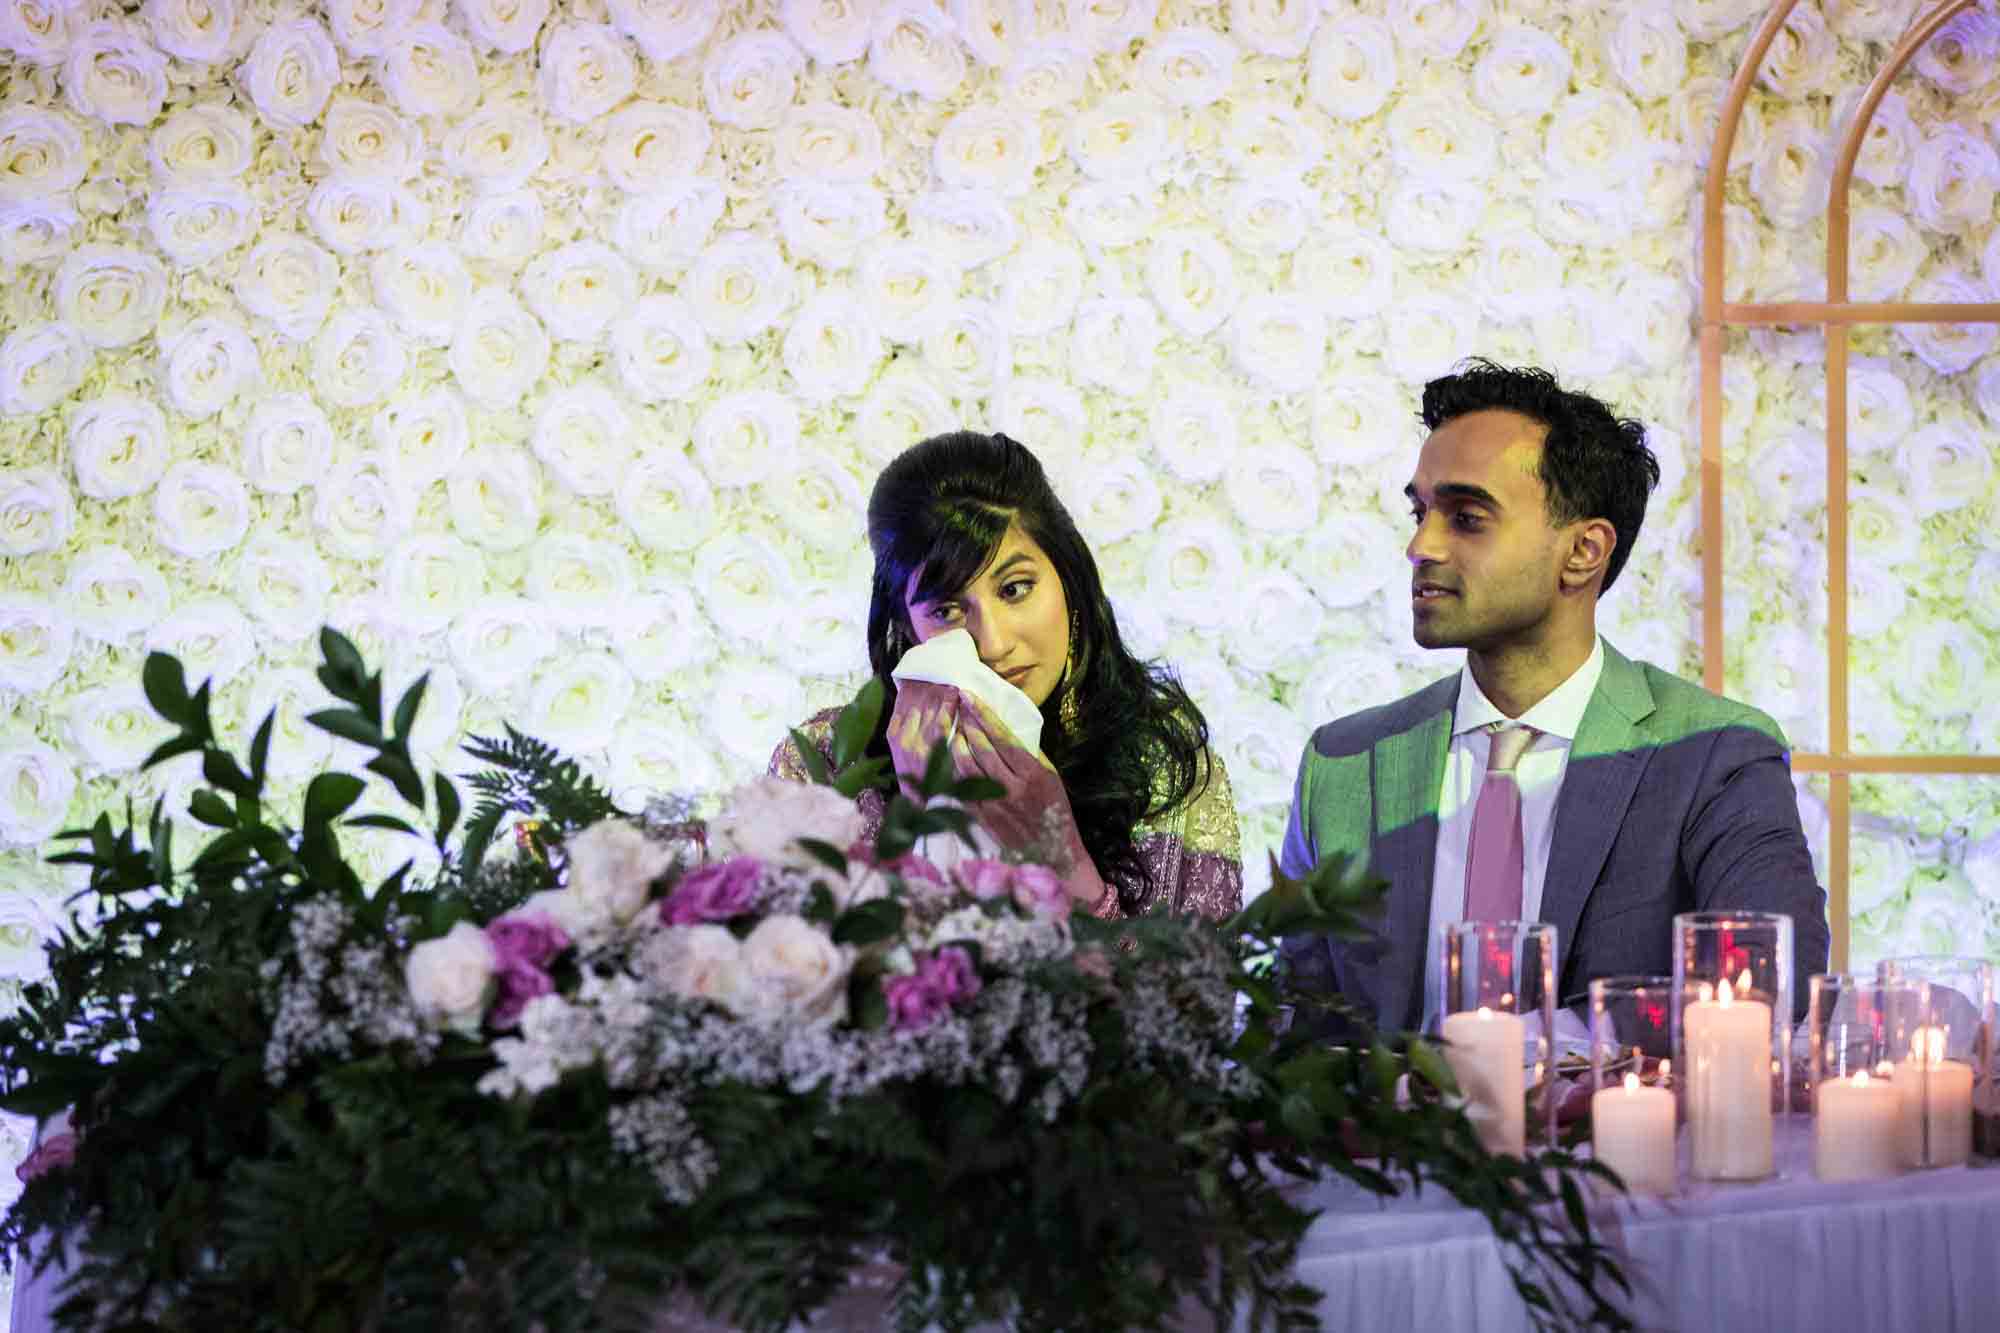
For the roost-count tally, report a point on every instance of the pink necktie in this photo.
(1494, 854)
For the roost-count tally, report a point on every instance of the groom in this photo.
(1552, 779)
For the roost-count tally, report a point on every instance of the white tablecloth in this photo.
(1916, 1254)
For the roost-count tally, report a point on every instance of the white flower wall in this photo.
(552, 349)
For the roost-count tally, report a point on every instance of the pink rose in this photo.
(914, 1003)
(533, 938)
(986, 879)
(519, 983)
(913, 870)
(952, 973)
(1040, 890)
(715, 892)
(58, 1150)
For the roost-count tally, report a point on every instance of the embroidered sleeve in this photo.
(787, 763)
(1195, 851)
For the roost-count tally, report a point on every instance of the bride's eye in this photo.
(1015, 589)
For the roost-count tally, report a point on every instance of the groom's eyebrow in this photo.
(1462, 491)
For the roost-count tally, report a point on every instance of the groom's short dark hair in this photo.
(1595, 464)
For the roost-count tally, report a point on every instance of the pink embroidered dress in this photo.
(1192, 853)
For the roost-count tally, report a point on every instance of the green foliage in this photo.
(529, 777)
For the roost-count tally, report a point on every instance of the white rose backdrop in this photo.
(555, 347)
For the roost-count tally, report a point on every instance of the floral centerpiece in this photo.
(725, 1063)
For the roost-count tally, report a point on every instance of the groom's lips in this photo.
(1424, 591)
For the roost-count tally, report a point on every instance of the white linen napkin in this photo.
(953, 659)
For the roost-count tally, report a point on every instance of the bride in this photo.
(967, 534)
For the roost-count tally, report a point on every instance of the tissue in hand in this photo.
(953, 659)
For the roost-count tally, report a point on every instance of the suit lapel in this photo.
(1605, 762)
(1409, 773)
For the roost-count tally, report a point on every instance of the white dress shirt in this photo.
(1540, 774)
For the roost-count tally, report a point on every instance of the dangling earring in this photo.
(1068, 710)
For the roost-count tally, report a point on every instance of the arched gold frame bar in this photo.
(1836, 314)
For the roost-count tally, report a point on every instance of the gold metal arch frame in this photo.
(1837, 314)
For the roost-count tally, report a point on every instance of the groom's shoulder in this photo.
(1359, 731)
(1687, 707)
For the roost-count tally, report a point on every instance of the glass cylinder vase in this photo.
(1732, 1038)
(1498, 1011)
(1946, 1076)
(1632, 1113)
(1857, 1027)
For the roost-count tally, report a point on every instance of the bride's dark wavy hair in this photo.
(943, 506)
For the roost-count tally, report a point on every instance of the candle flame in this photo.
(1666, 1068)
(1930, 1043)
(1724, 994)
(1484, 1012)
(1860, 1079)
(1705, 991)
(1885, 1070)
(1743, 982)
(1631, 1083)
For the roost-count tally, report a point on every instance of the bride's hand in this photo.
(1035, 809)
(925, 714)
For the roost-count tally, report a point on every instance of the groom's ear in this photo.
(1591, 543)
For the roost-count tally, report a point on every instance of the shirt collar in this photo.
(1558, 713)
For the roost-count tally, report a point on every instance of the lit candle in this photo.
(1729, 1084)
(1486, 1052)
(1855, 1122)
(1936, 1104)
(1632, 1132)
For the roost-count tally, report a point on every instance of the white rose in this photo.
(290, 282)
(1436, 29)
(1112, 342)
(1707, 20)
(584, 437)
(1360, 420)
(495, 494)
(666, 228)
(1048, 75)
(825, 224)
(1960, 57)
(1434, 137)
(1521, 74)
(579, 289)
(1193, 431)
(1114, 500)
(430, 71)
(1648, 53)
(357, 358)
(902, 407)
(1110, 26)
(1949, 348)
(207, 364)
(40, 365)
(212, 638)
(367, 141)
(1878, 599)
(361, 508)
(111, 296)
(1364, 553)
(36, 511)
(114, 727)
(831, 348)
(739, 287)
(665, 30)
(1280, 622)
(1282, 28)
(291, 72)
(431, 579)
(1192, 280)
(1042, 284)
(1040, 411)
(424, 288)
(112, 596)
(743, 585)
(1941, 669)
(451, 978)
(664, 635)
(820, 503)
(749, 81)
(702, 964)
(288, 443)
(114, 75)
(581, 581)
(764, 818)
(1579, 329)
(746, 437)
(913, 49)
(1189, 67)
(426, 433)
(1986, 392)
(1595, 136)
(578, 702)
(1349, 272)
(749, 708)
(1109, 215)
(200, 510)
(668, 505)
(795, 974)
(1884, 254)
(41, 154)
(118, 446)
(283, 585)
(825, 141)
(201, 145)
(1270, 215)
(36, 784)
(1803, 58)
(370, 27)
(496, 642)
(1273, 488)
(38, 31)
(988, 148)
(35, 642)
(1427, 337)
(968, 350)
(351, 214)
(498, 148)
(504, 228)
(1880, 414)
(1655, 315)
(507, 26)
(660, 351)
(1953, 176)
(648, 760)
(1518, 272)
(1344, 683)
(500, 351)
(1279, 342)
(1791, 170)
(193, 226)
(1195, 571)
(1944, 466)
(1270, 137)
(1120, 137)
(1883, 527)
(1352, 68)
(646, 143)
(832, 32)
(586, 70)
(33, 230)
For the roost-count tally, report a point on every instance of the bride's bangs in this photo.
(953, 543)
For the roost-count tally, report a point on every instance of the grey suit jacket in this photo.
(1674, 800)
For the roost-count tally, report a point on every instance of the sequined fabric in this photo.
(1192, 853)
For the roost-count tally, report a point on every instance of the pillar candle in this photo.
(1855, 1129)
(1728, 1069)
(1485, 1051)
(1936, 1096)
(1632, 1132)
